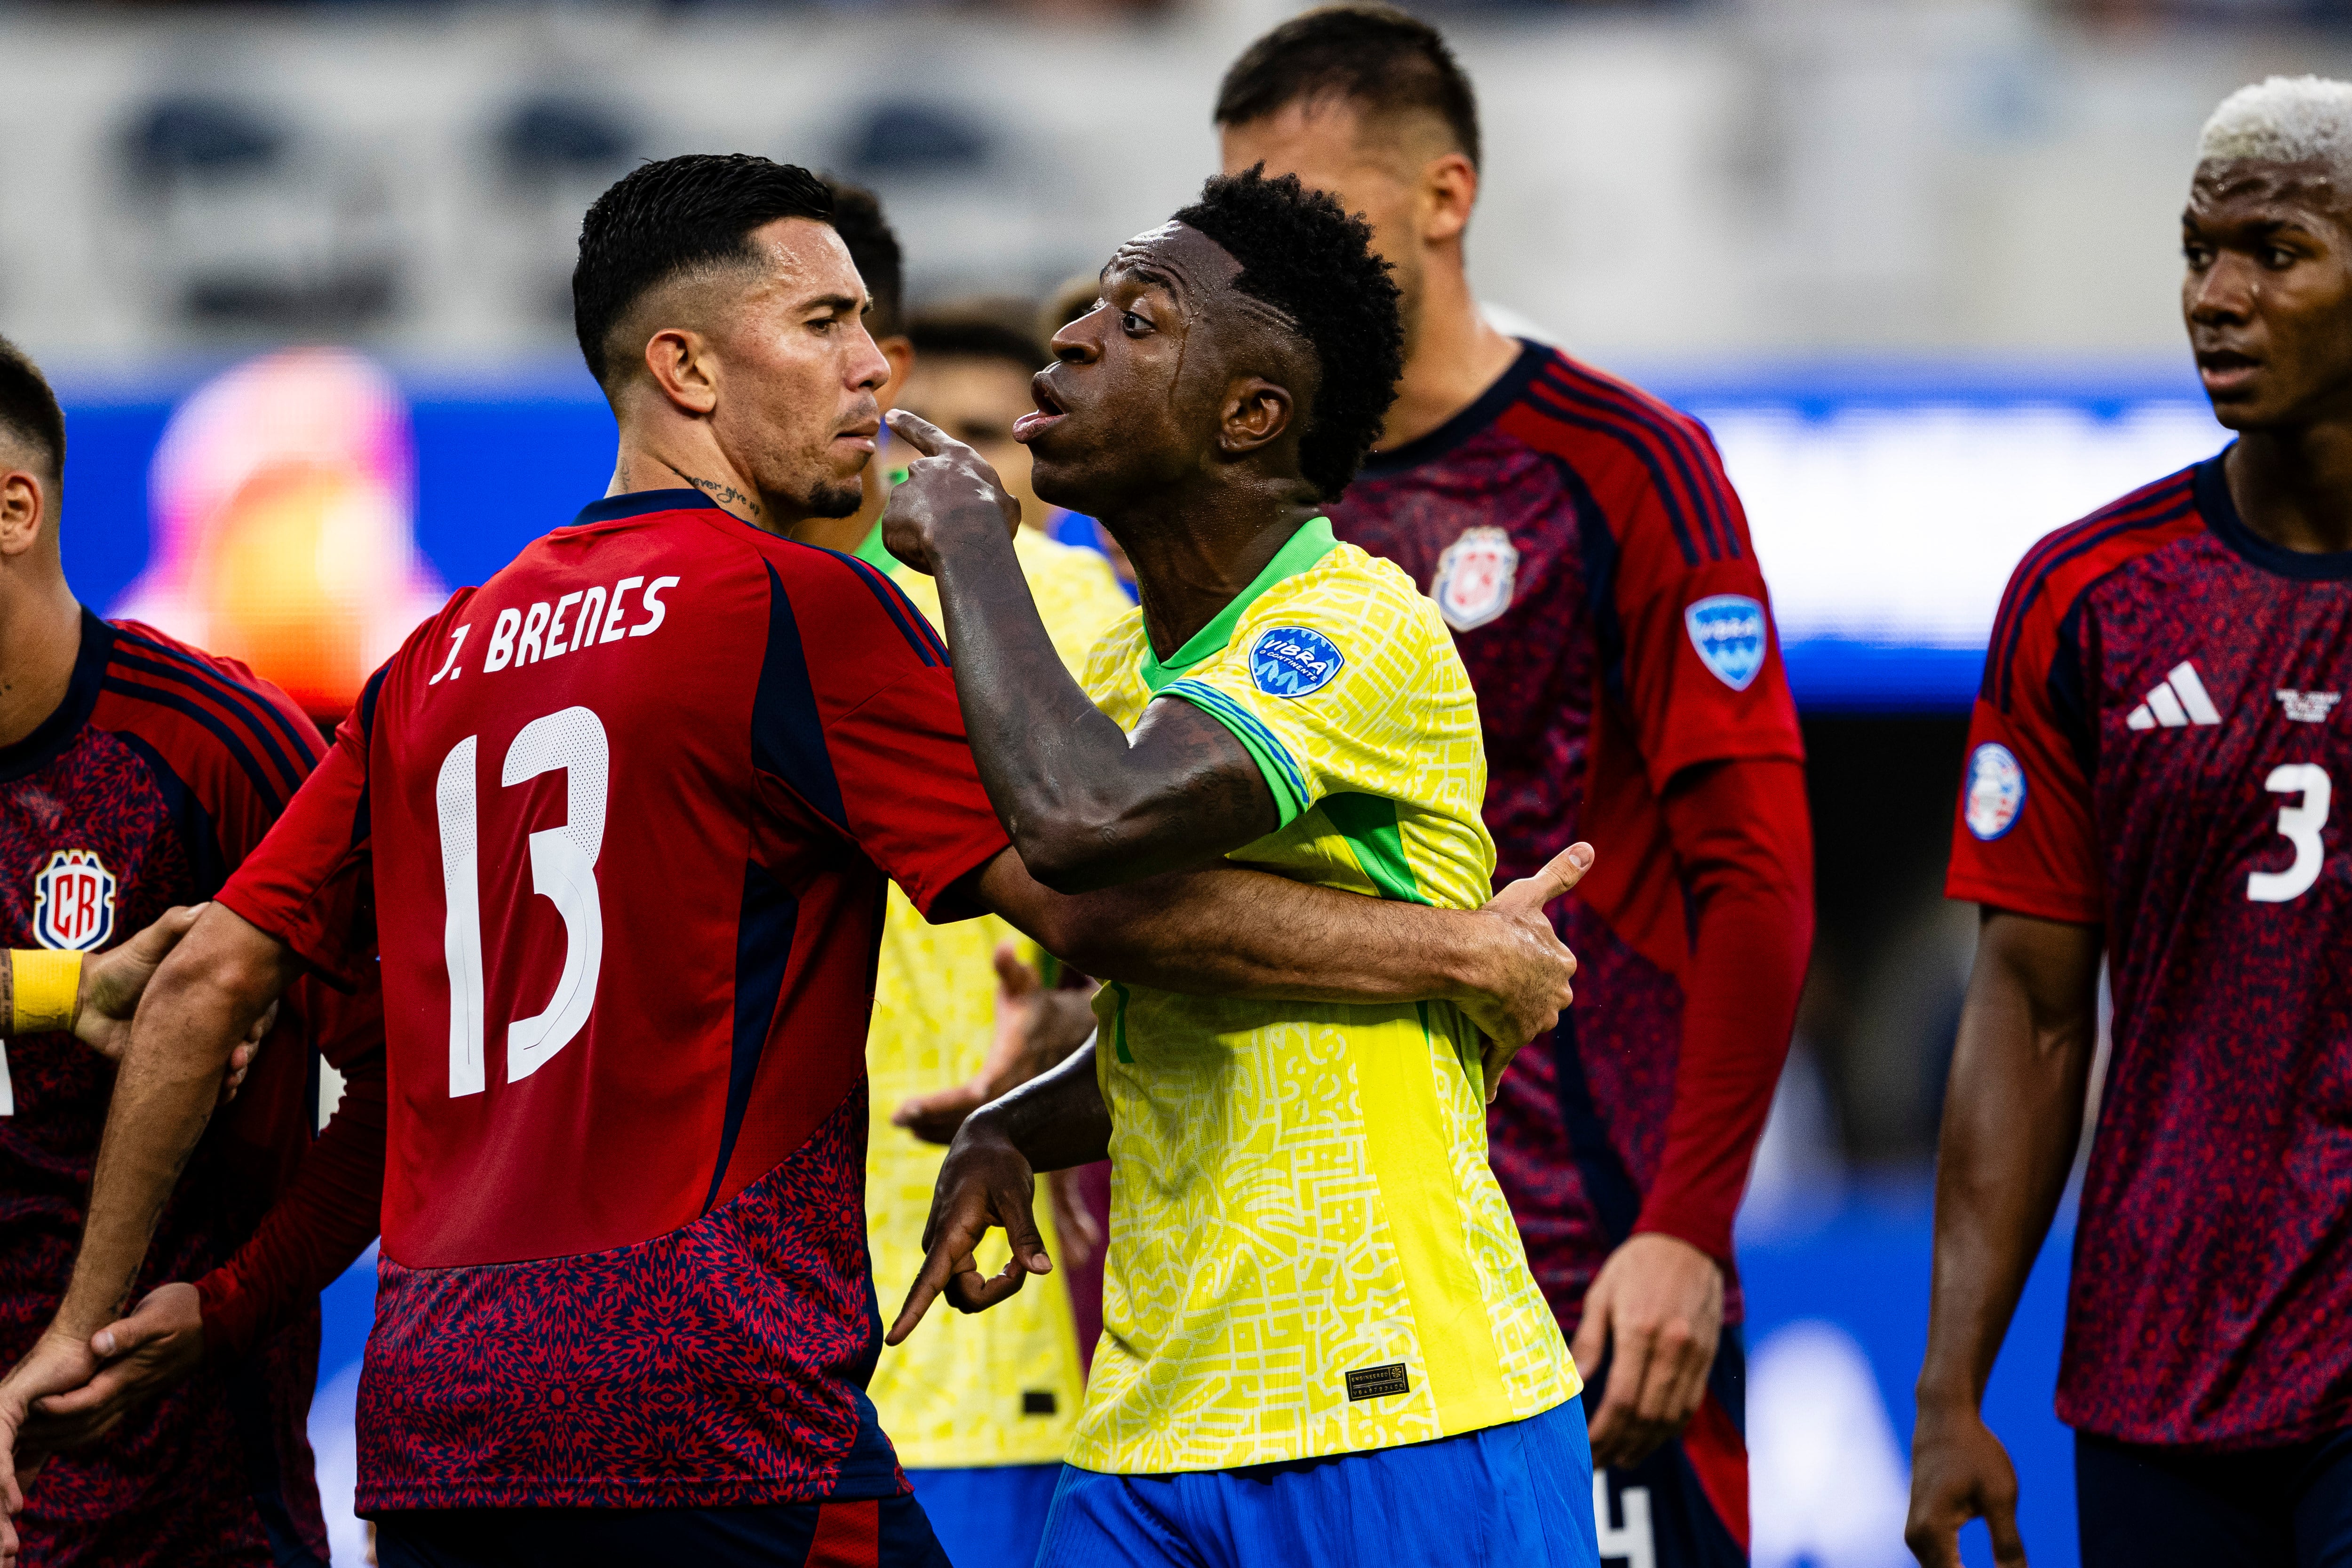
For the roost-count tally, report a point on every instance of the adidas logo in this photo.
(2175, 702)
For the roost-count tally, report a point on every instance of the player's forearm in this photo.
(2012, 1118)
(1057, 1120)
(1086, 806)
(200, 1003)
(1228, 931)
(1742, 837)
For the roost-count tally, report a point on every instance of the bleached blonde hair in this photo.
(2286, 118)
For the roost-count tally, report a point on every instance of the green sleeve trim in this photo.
(1118, 1025)
(1283, 777)
(1369, 824)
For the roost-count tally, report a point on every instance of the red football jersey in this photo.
(158, 773)
(618, 822)
(2154, 750)
(1582, 541)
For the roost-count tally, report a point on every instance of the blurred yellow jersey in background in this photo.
(999, 1387)
(1309, 1252)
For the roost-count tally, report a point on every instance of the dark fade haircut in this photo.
(874, 247)
(982, 329)
(678, 216)
(1301, 254)
(1390, 63)
(29, 409)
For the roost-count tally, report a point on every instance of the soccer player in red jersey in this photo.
(1583, 543)
(135, 774)
(616, 824)
(2151, 780)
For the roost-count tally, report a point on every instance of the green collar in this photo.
(1303, 549)
(874, 555)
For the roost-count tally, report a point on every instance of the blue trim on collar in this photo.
(638, 503)
(2219, 509)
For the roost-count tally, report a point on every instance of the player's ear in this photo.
(1449, 189)
(1256, 413)
(683, 369)
(23, 510)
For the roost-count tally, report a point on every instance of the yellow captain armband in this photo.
(47, 985)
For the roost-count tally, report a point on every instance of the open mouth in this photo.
(1029, 426)
(2223, 368)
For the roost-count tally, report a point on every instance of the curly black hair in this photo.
(1306, 256)
(670, 217)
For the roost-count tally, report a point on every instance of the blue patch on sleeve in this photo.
(1291, 661)
(1727, 630)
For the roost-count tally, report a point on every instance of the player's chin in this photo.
(834, 497)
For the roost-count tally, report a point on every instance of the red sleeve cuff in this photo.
(2042, 902)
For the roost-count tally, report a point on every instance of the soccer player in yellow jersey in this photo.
(981, 1408)
(1322, 1341)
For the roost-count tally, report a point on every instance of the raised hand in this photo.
(949, 486)
(1532, 969)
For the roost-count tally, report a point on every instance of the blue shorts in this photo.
(1518, 1496)
(2169, 1508)
(888, 1532)
(993, 1515)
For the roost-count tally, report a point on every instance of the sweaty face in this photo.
(798, 371)
(1371, 168)
(1131, 403)
(978, 401)
(2268, 293)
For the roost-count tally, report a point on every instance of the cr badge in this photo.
(73, 901)
(1474, 578)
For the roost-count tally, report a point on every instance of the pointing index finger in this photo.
(919, 433)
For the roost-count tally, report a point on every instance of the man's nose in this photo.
(868, 369)
(2226, 292)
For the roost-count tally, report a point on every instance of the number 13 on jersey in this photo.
(562, 871)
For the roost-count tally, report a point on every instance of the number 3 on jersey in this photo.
(2299, 824)
(562, 871)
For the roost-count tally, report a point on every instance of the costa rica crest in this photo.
(73, 901)
(1291, 661)
(1475, 575)
(1727, 630)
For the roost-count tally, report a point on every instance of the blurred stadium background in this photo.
(300, 273)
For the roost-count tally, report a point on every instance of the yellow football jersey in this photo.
(1000, 1387)
(1309, 1254)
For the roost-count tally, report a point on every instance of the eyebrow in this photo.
(849, 302)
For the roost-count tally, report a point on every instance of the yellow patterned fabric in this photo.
(1000, 1387)
(1309, 1254)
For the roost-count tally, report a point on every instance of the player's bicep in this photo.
(1205, 785)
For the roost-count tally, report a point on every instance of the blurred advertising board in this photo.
(1889, 506)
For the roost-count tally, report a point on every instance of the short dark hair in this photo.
(1303, 254)
(874, 247)
(670, 217)
(29, 409)
(988, 329)
(1388, 61)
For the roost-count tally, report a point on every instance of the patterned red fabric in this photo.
(2209, 1282)
(1618, 521)
(168, 765)
(664, 759)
